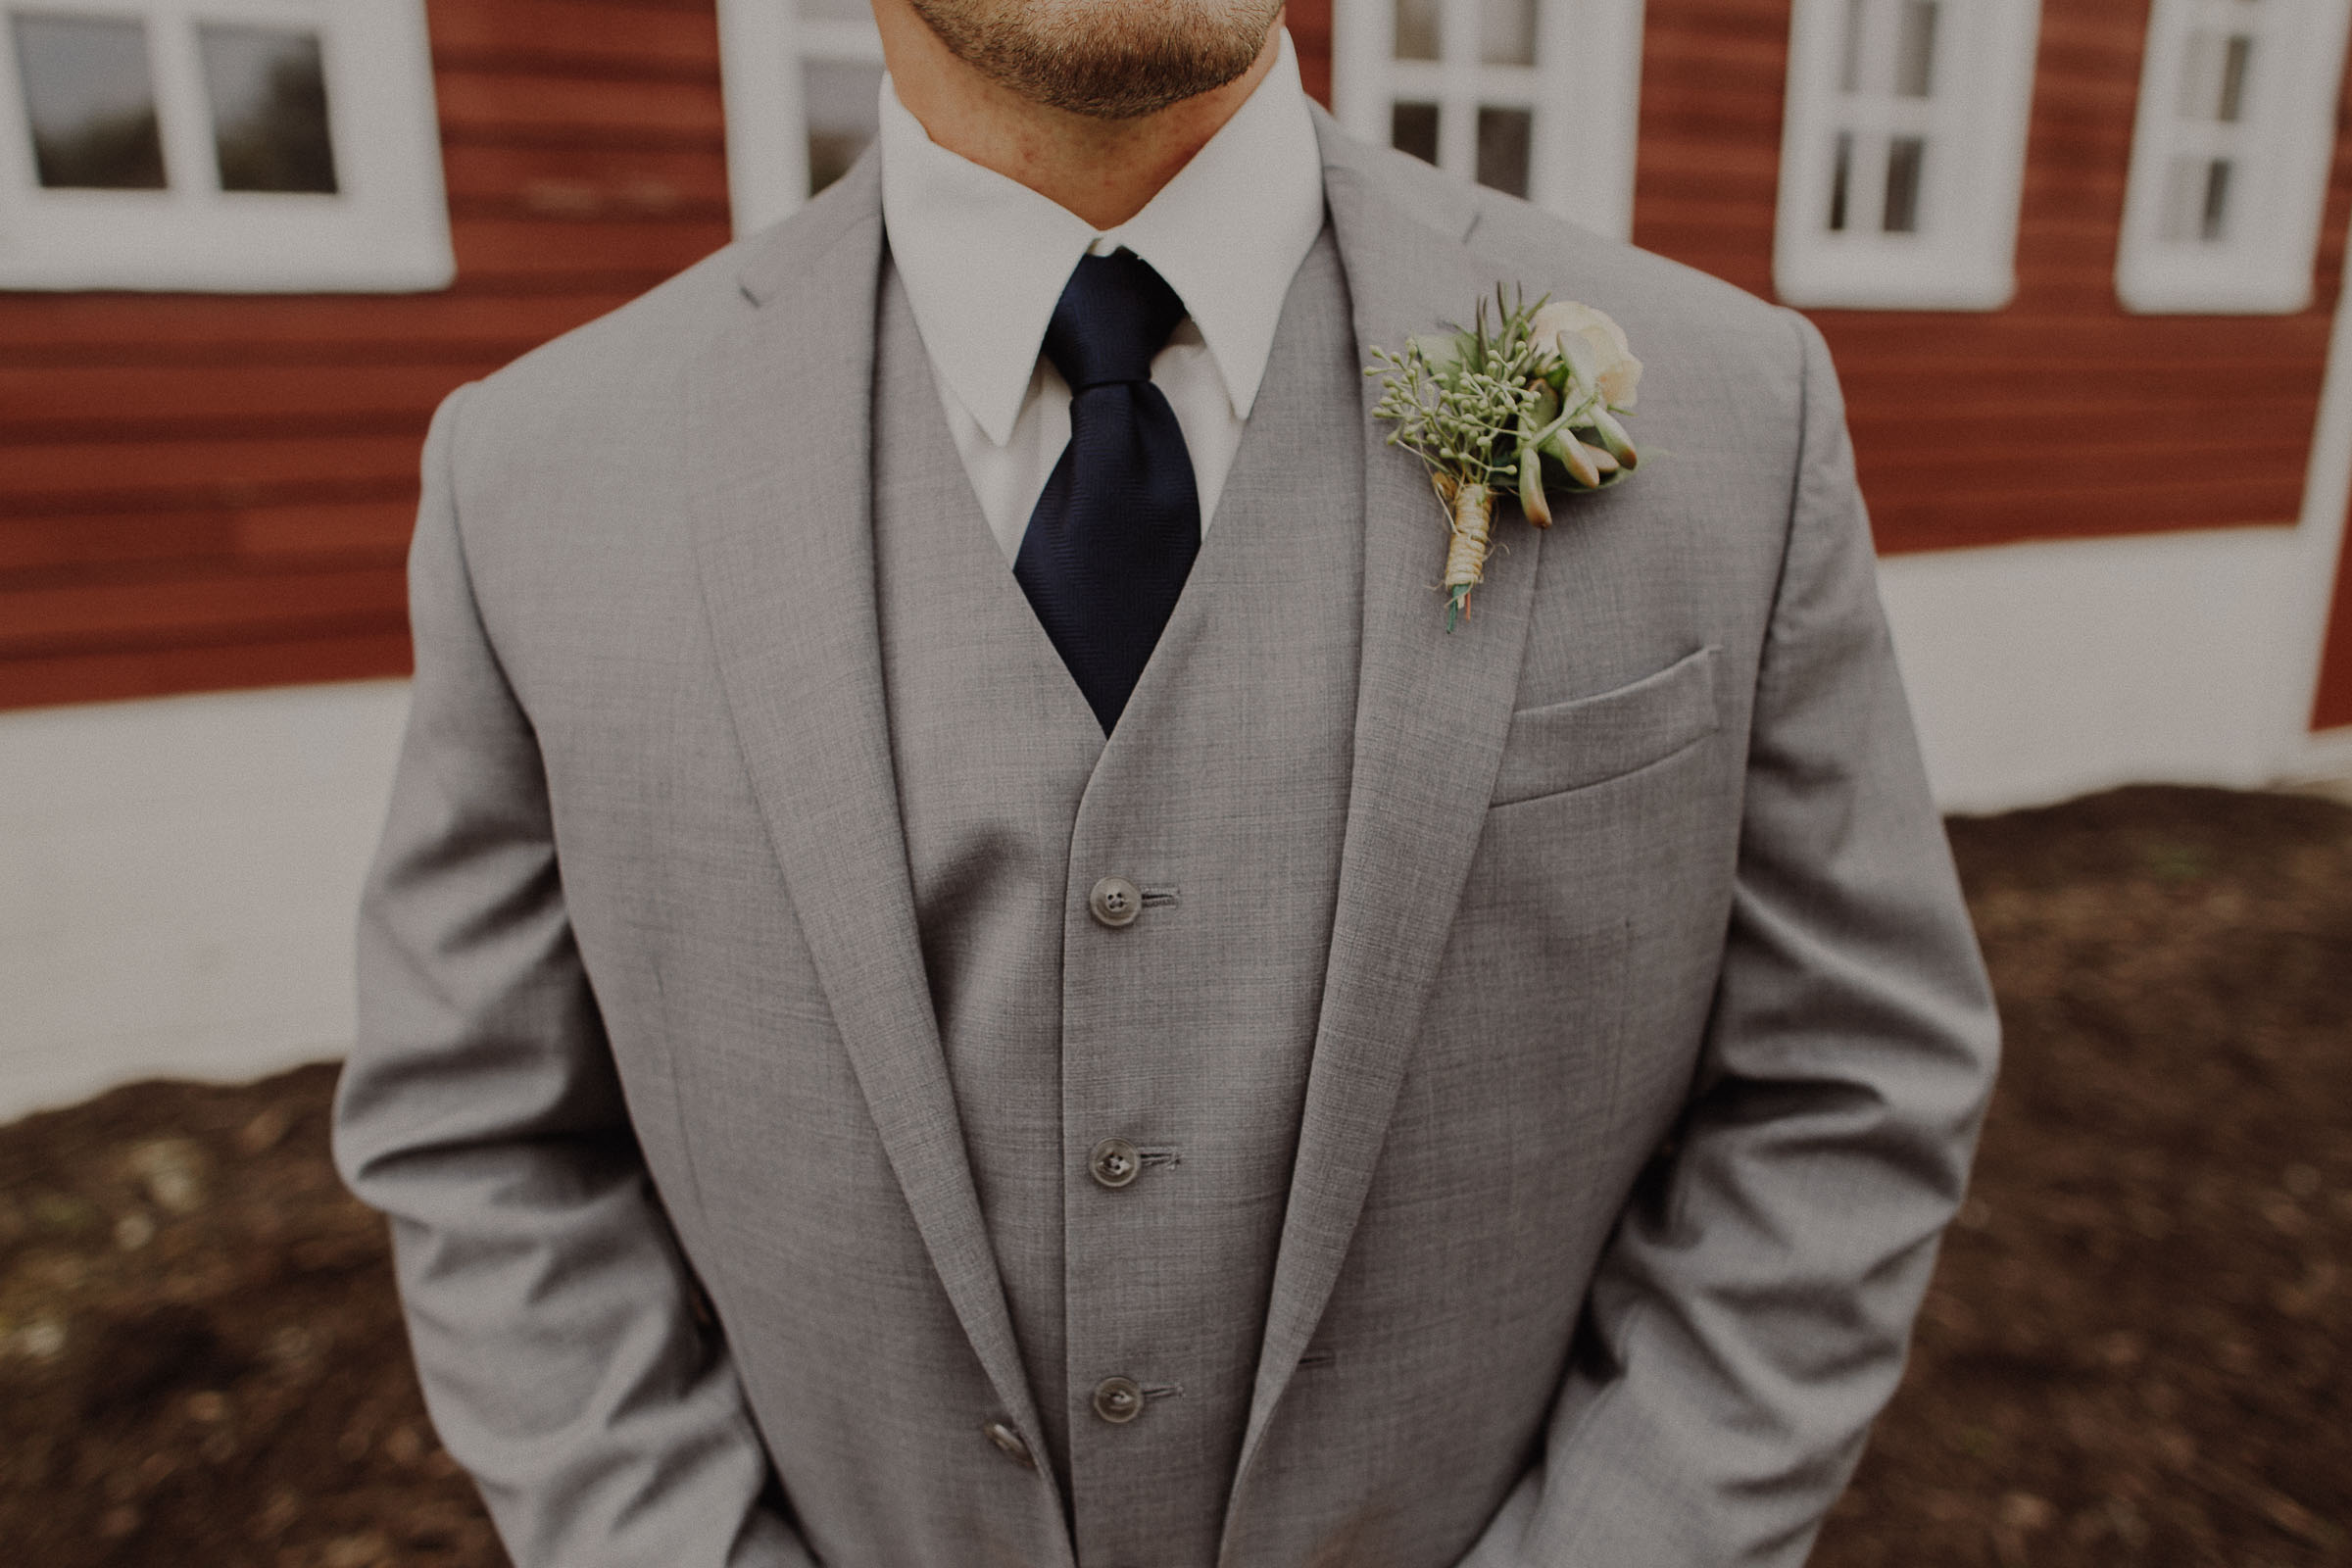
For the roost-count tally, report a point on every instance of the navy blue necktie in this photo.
(1118, 525)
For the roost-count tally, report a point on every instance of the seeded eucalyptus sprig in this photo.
(1486, 409)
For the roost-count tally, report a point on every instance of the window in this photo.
(2230, 155)
(802, 78)
(233, 145)
(1902, 152)
(1534, 97)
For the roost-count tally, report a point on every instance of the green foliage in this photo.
(1492, 405)
(1459, 402)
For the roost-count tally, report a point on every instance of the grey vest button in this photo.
(1114, 1163)
(1115, 902)
(1118, 1401)
(1009, 1443)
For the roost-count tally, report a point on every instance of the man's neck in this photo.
(1104, 170)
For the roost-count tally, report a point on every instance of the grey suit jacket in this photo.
(1651, 1045)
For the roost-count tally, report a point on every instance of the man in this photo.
(962, 972)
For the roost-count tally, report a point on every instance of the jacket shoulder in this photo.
(619, 355)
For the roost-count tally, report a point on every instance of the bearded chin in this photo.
(1105, 59)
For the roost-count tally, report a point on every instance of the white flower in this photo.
(1600, 347)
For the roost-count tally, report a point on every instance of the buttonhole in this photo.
(1158, 897)
(1162, 1391)
(1325, 1357)
(1159, 1157)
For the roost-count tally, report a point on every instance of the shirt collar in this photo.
(984, 258)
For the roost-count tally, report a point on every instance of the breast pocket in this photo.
(1588, 740)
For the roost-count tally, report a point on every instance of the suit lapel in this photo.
(1431, 711)
(780, 412)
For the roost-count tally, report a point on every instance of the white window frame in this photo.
(1583, 91)
(1963, 254)
(2280, 151)
(762, 47)
(384, 229)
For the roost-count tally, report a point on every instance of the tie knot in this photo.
(1113, 314)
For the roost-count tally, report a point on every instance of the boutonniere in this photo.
(1530, 398)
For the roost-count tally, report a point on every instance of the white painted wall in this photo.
(177, 880)
(2038, 671)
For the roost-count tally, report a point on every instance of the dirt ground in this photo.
(2138, 1348)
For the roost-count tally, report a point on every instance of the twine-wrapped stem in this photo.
(1471, 511)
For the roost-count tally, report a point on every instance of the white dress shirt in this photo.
(984, 259)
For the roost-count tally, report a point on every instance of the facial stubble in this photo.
(1105, 59)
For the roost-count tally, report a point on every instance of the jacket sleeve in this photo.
(551, 1312)
(1751, 1316)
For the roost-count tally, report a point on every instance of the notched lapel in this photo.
(780, 409)
(1431, 712)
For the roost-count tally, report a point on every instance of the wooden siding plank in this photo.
(204, 330)
(96, 545)
(556, 34)
(370, 647)
(588, 247)
(64, 469)
(374, 530)
(586, 182)
(589, 109)
(116, 546)
(66, 618)
(1959, 465)
(111, 394)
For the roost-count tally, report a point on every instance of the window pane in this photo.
(1914, 50)
(269, 98)
(2184, 212)
(1414, 129)
(2212, 76)
(1849, 68)
(1905, 157)
(2213, 222)
(1507, 32)
(1503, 138)
(2233, 78)
(842, 98)
(2196, 200)
(90, 101)
(1842, 170)
(1416, 30)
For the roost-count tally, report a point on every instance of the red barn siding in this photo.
(206, 491)
(1310, 22)
(201, 491)
(2060, 417)
(2332, 706)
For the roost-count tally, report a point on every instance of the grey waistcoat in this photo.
(1223, 795)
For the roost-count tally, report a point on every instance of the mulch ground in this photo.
(2138, 1348)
